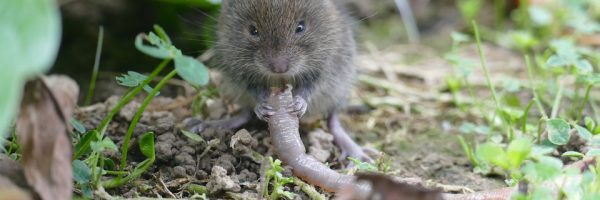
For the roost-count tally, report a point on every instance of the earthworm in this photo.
(285, 136)
(288, 146)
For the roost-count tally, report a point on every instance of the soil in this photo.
(416, 131)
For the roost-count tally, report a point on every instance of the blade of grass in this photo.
(525, 116)
(484, 65)
(557, 100)
(138, 116)
(509, 126)
(584, 102)
(88, 98)
(536, 98)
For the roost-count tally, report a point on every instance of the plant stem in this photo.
(129, 97)
(588, 90)
(484, 65)
(509, 127)
(540, 130)
(556, 104)
(138, 116)
(536, 97)
(88, 98)
(308, 189)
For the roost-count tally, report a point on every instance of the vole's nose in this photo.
(279, 64)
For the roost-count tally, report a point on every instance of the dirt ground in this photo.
(413, 122)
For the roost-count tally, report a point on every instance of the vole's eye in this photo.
(253, 31)
(300, 28)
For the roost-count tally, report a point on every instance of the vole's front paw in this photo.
(299, 106)
(263, 111)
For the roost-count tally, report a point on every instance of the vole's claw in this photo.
(299, 106)
(264, 111)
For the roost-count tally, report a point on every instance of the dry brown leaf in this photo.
(42, 126)
(13, 184)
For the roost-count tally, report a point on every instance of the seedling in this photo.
(94, 142)
(274, 177)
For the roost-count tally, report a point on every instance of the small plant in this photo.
(523, 144)
(274, 177)
(94, 142)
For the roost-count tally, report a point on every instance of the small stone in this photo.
(219, 181)
(179, 172)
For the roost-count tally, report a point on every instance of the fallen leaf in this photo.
(42, 127)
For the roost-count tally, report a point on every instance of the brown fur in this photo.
(321, 58)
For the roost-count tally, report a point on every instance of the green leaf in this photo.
(540, 15)
(557, 61)
(157, 49)
(163, 35)
(30, 33)
(494, 154)
(583, 133)
(458, 37)
(84, 144)
(584, 66)
(546, 168)
(589, 123)
(87, 191)
(147, 145)
(191, 70)
(109, 144)
(539, 151)
(192, 136)
(131, 79)
(362, 166)
(573, 154)
(81, 172)
(518, 151)
(558, 131)
(147, 148)
(593, 152)
(106, 143)
(77, 125)
(134, 79)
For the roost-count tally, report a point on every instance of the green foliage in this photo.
(161, 46)
(77, 126)
(133, 79)
(567, 55)
(363, 166)
(147, 148)
(558, 131)
(193, 136)
(91, 147)
(82, 176)
(274, 177)
(516, 126)
(30, 35)
(469, 8)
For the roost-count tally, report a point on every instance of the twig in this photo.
(165, 188)
(309, 190)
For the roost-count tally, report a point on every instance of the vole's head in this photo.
(277, 39)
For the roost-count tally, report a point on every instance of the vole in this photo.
(269, 43)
